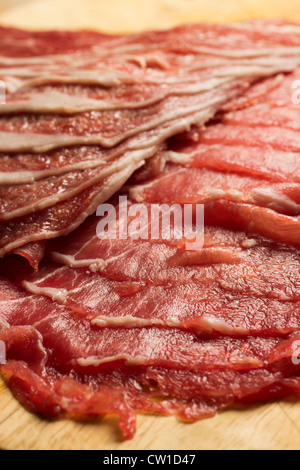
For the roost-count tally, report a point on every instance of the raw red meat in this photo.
(143, 325)
(32, 252)
(244, 168)
(214, 45)
(57, 377)
(207, 185)
(63, 217)
(232, 200)
(152, 86)
(259, 163)
(232, 286)
(154, 391)
(86, 348)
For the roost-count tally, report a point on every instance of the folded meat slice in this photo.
(117, 83)
(32, 252)
(87, 349)
(282, 138)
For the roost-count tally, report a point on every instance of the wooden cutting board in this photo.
(274, 426)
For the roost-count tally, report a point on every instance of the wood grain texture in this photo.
(273, 426)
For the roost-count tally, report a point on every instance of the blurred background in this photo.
(124, 16)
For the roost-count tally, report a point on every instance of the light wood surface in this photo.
(273, 426)
(137, 15)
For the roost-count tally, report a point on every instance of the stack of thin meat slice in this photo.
(84, 111)
(126, 324)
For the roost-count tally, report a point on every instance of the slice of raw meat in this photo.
(38, 134)
(72, 99)
(53, 395)
(68, 341)
(232, 286)
(232, 200)
(50, 370)
(207, 185)
(261, 163)
(20, 200)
